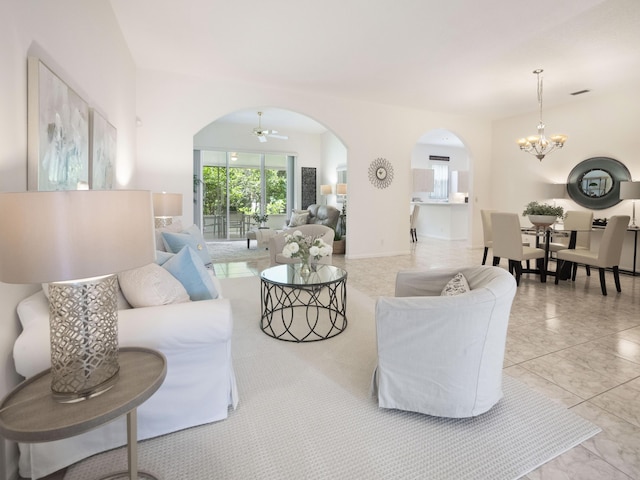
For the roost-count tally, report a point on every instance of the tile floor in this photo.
(567, 341)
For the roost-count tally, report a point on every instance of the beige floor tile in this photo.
(622, 401)
(619, 441)
(577, 464)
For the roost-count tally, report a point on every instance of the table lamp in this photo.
(341, 191)
(324, 191)
(165, 207)
(77, 240)
(630, 191)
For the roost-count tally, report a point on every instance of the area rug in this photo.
(306, 412)
(235, 251)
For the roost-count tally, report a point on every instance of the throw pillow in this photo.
(298, 218)
(175, 242)
(151, 285)
(188, 269)
(457, 285)
(175, 227)
(162, 257)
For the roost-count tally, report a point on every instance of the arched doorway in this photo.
(444, 210)
(259, 160)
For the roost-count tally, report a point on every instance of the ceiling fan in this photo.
(263, 134)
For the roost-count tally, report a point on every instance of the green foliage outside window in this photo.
(244, 190)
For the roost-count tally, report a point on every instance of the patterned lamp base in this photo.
(83, 319)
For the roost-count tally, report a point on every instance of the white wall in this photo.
(82, 43)
(174, 108)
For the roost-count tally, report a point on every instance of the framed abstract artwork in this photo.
(102, 149)
(308, 186)
(58, 132)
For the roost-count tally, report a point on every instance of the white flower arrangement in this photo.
(305, 248)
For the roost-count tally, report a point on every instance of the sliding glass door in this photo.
(238, 185)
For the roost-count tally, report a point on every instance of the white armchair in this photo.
(443, 355)
(277, 243)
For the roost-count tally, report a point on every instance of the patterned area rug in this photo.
(235, 251)
(306, 411)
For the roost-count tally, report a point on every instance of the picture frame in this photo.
(58, 132)
(103, 151)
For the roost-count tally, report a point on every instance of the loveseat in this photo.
(326, 215)
(199, 388)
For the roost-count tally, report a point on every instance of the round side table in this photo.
(30, 414)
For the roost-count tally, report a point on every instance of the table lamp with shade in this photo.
(76, 241)
(165, 207)
(325, 190)
(631, 191)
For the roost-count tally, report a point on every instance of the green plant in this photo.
(535, 208)
(259, 218)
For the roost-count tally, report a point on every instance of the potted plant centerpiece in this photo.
(542, 214)
(260, 219)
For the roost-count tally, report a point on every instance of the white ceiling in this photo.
(457, 56)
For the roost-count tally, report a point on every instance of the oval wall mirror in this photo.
(595, 182)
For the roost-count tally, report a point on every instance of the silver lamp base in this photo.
(83, 318)
(163, 221)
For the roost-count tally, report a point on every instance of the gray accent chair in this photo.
(326, 215)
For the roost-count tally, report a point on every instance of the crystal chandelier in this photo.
(539, 145)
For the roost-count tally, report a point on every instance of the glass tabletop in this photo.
(290, 276)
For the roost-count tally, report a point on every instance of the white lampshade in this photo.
(326, 189)
(167, 204)
(74, 234)
(629, 190)
(341, 189)
(423, 179)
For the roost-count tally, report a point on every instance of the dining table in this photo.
(549, 233)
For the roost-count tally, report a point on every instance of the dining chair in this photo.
(413, 223)
(487, 231)
(607, 256)
(507, 243)
(580, 222)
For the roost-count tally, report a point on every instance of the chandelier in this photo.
(539, 145)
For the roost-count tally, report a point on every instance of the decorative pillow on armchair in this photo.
(457, 285)
(299, 217)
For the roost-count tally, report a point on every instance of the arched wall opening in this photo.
(293, 143)
(444, 190)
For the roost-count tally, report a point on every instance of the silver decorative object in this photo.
(83, 319)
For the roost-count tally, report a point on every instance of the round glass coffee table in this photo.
(298, 307)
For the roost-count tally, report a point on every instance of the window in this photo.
(237, 185)
(440, 182)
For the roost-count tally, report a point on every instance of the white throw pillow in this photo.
(298, 218)
(175, 227)
(457, 285)
(151, 285)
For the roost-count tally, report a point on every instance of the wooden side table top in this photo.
(30, 414)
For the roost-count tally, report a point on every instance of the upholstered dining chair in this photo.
(507, 243)
(487, 232)
(414, 222)
(581, 222)
(443, 355)
(607, 256)
(278, 241)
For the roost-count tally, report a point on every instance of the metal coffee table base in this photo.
(321, 311)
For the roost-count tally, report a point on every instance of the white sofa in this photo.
(199, 387)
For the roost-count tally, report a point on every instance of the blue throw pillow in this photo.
(194, 277)
(162, 257)
(175, 242)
